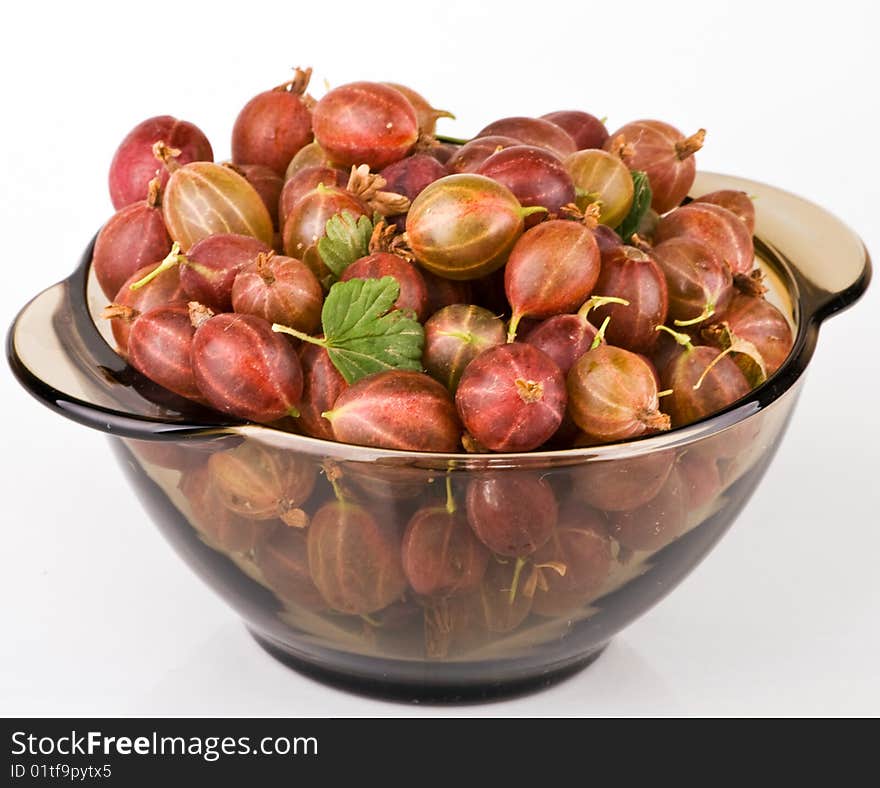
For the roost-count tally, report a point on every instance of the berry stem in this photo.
(173, 258)
(712, 364)
(707, 312)
(596, 301)
(683, 339)
(517, 571)
(512, 326)
(532, 209)
(450, 140)
(600, 334)
(450, 497)
(332, 472)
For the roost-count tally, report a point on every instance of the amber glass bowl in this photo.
(255, 512)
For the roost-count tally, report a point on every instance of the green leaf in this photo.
(641, 203)
(346, 239)
(363, 333)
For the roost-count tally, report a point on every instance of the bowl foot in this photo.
(431, 683)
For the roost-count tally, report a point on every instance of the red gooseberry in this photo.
(274, 125)
(133, 237)
(134, 166)
(663, 153)
(242, 367)
(511, 398)
(365, 123)
(396, 409)
(353, 560)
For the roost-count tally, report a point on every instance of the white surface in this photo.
(100, 617)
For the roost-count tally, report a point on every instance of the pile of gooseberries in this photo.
(352, 276)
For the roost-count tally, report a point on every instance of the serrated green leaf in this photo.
(346, 239)
(364, 334)
(641, 203)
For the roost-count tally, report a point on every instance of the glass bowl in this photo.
(306, 539)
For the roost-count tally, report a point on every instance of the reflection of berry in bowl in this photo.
(359, 566)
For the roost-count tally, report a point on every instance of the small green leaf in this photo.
(346, 239)
(363, 333)
(641, 202)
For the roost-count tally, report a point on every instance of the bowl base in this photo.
(387, 683)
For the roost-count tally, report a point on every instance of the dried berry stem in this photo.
(688, 147)
(529, 390)
(263, 267)
(300, 82)
(654, 419)
(198, 313)
(154, 192)
(751, 283)
(167, 155)
(119, 312)
(589, 216)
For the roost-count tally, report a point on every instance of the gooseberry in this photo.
(242, 367)
(470, 156)
(322, 385)
(259, 482)
(133, 237)
(464, 226)
(612, 394)
(663, 153)
(413, 291)
(159, 343)
(274, 125)
(353, 560)
(396, 409)
(534, 175)
(134, 166)
(585, 129)
(454, 336)
(604, 179)
(539, 132)
(552, 269)
(722, 231)
(698, 283)
(365, 123)
(513, 513)
(511, 397)
(279, 290)
(633, 276)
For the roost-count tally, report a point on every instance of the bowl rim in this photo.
(811, 307)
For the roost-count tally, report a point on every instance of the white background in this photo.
(100, 617)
